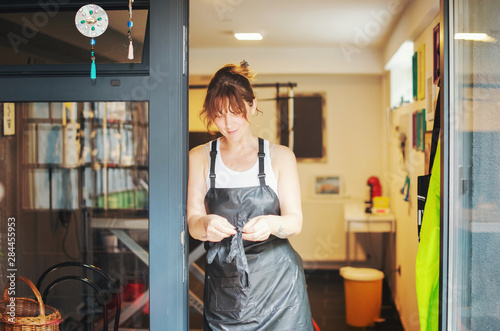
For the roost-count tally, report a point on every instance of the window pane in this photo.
(475, 165)
(52, 38)
(82, 180)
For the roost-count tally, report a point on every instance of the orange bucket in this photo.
(363, 295)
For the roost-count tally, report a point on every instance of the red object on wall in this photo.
(375, 185)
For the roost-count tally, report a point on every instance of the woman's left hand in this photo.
(257, 229)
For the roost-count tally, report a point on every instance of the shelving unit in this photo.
(90, 160)
(117, 169)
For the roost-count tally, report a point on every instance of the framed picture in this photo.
(421, 129)
(308, 136)
(415, 75)
(436, 58)
(421, 72)
(414, 128)
(327, 186)
(9, 119)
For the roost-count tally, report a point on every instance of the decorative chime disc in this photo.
(91, 20)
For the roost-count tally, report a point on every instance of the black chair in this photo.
(87, 281)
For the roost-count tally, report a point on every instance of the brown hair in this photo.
(228, 89)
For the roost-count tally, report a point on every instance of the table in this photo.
(118, 227)
(356, 220)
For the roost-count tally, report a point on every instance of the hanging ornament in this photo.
(91, 20)
(130, 24)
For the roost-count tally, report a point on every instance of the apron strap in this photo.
(213, 154)
(262, 174)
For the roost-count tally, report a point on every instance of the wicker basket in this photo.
(30, 315)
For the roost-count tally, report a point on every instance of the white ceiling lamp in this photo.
(248, 36)
(474, 36)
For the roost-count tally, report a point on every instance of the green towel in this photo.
(427, 265)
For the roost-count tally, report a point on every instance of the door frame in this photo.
(446, 162)
(164, 84)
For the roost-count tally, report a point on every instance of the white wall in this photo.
(413, 21)
(354, 150)
(286, 60)
(401, 86)
(403, 286)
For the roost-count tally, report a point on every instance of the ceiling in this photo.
(292, 23)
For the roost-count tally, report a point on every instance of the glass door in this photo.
(95, 172)
(83, 179)
(472, 252)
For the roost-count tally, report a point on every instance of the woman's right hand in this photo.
(218, 228)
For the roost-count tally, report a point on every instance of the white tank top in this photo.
(227, 178)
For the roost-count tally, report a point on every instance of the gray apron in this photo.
(251, 285)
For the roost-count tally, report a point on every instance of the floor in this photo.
(326, 297)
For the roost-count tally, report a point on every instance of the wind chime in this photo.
(91, 20)
(130, 24)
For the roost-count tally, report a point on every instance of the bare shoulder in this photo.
(284, 165)
(198, 156)
(283, 157)
(197, 151)
(281, 153)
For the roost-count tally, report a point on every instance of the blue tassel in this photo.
(93, 73)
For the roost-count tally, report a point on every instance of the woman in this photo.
(253, 278)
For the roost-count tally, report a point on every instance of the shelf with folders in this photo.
(85, 154)
(117, 173)
(85, 181)
(116, 135)
(114, 123)
(115, 176)
(116, 188)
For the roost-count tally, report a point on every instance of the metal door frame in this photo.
(164, 83)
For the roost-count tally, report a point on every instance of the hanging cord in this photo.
(130, 24)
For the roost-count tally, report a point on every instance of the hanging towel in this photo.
(427, 264)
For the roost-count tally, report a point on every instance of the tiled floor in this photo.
(326, 296)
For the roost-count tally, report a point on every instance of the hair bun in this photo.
(241, 69)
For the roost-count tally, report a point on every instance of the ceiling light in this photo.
(248, 36)
(472, 36)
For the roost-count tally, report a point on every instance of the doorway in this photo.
(350, 93)
(88, 176)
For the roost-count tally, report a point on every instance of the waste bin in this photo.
(363, 295)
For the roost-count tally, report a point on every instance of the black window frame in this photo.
(81, 69)
(162, 79)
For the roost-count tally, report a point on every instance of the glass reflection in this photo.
(82, 175)
(49, 36)
(475, 136)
